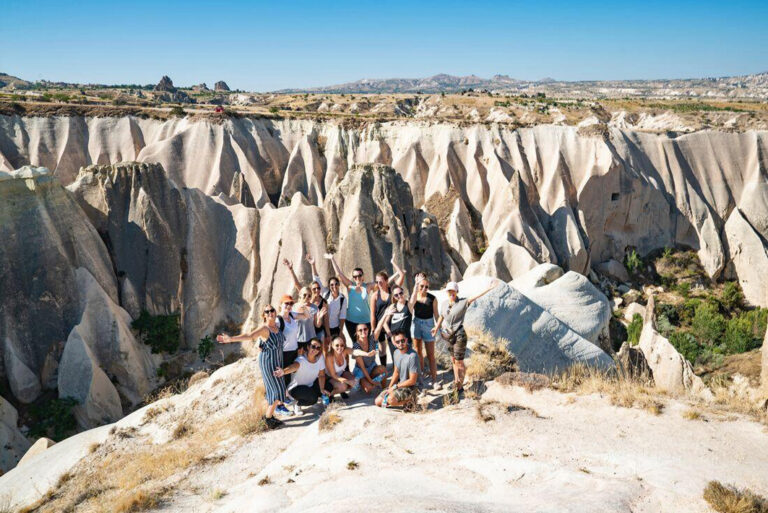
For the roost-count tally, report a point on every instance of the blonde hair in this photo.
(305, 290)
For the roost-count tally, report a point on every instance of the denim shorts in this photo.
(422, 329)
(358, 372)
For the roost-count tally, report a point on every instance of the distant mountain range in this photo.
(755, 85)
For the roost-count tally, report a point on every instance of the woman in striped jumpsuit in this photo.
(271, 341)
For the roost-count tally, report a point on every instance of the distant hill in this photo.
(746, 86)
(12, 82)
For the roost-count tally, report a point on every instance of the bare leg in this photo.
(459, 370)
(419, 351)
(271, 409)
(431, 358)
(380, 369)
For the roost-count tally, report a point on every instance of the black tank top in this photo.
(424, 310)
(381, 306)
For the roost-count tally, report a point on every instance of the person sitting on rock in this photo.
(397, 317)
(309, 381)
(450, 325)
(424, 307)
(337, 367)
(271, 341)
(403, 385)
(367, 373)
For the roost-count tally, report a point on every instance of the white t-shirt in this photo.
(307, 371)
(291, 334)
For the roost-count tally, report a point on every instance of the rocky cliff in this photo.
(565, 195)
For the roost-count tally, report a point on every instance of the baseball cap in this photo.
(286, 299)
(452, 285)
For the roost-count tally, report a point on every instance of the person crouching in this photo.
(403, 386)
(309, 382)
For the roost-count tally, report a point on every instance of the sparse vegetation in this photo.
(634, 329)
(264, 481)
(53, 418)
(728, 499)
(490, 357)
(330, 417)
(632, 262)
(161, 332)
(692, 414)
(177, 111)
(353, 465)
(205, 347)
(250, 420)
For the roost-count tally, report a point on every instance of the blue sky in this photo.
(264, 46)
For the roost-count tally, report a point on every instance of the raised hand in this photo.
(223, 339)
(391, 309)
(287, 263)
(310, 259)
(328, 256)
(323, 312)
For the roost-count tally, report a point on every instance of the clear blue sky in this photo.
(263, 46)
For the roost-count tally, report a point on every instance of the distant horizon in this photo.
(268, 46)
(211, 83)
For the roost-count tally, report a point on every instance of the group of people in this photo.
(305, 358)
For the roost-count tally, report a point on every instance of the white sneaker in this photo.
(296, 409)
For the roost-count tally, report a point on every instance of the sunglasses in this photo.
(382, 282)
(315, 346)
(315, 288)
(334, 284)
(357, 276)
(397, 294)
(288, 304)
(399, 341)
(339, 346)
(269, 311)
(423, 286)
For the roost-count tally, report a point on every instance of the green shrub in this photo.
(274, 110)
(178, 111)
(669, 311)
(634, 329)
(738, 336)
(708, 324)
(684, 289)
(632, 262)
(687, 310)
(686, 345)
(160, 332)
(732, 296)
(205, 347)
(53, 418)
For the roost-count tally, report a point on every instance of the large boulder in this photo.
(165, 85)
(671, 372)
(542, 342)
(12, 441)
(221, 86)
(46, 236)
(81, 379)
(572, 299)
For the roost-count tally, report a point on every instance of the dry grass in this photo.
(197, 377)
(728, 499)
(183, 428)
(155, 411)
(93, 448)
(264, 481)
(692, 414)
(623, 391)
(217, 493)
(330, 417)
(451, 398)
(251, 419)
(490, 358)
(352, 465)
(728, 399)
(138, 500)
(485, 410)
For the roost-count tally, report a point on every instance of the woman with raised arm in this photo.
(379, 300)
(271, 341)
(358, 311)
(337, 368)
(450, 325)
(366, 371)
(424, 307)
(288, 323)
(397, 317)
(323, 318)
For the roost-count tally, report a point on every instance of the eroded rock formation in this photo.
(578, 200)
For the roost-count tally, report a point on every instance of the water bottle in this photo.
(326, 400)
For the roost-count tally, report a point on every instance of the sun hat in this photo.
(286, 299)
(452, 285)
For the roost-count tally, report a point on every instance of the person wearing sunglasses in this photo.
(337, 367)
(379, 301)
(308, 383)
(311, 300)
(403, 386)
(397, 317)
(271, 341)
(424, 307)
(450, 325)
(367, 373)
(358, 291)
(288, 323)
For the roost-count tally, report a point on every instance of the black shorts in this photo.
(335, 332)
(457, 344)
